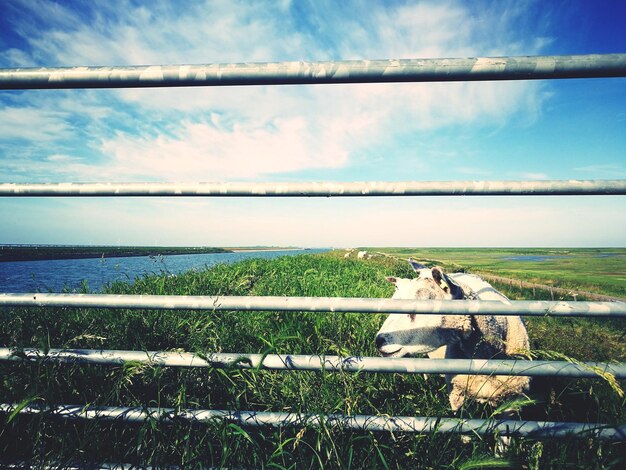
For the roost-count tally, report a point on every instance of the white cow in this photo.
(456, 336)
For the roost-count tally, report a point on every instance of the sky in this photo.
(510, 130)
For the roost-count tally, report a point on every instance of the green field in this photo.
(600, 270)
(49, 441)
(39, 252)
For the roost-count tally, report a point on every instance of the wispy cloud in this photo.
(271, 130)
(33, 124)
(129, 32)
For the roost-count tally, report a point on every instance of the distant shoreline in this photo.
(44, 253)
(52, 252)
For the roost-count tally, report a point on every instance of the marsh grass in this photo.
(599, 270)
(45, 440)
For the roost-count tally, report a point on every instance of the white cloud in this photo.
(210, 151)
(274, 132)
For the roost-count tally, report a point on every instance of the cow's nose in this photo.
(380, 341)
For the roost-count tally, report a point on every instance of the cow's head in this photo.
(403, 334)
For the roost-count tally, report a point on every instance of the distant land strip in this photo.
(39, 253)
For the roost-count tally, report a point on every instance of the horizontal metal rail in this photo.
(318, 189)
(317, 304)
(298, 362)
(287, 73)
(417, 424)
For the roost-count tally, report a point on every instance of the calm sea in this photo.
(58, 275)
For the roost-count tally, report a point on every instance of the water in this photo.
(533, 257)
(551, 257)
(57, 275)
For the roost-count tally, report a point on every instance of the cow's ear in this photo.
(437, 274)
(456, 291)
(447, 284)
(392, 279)
(417, 267)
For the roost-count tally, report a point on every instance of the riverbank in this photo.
(52, 252)
(76, 275)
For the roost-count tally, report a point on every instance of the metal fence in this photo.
(536, 429)
(304, 362)
(540, 308)
(293, 73)
(425, 70)
(408, 188)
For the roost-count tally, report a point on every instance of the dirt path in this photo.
(556, 291)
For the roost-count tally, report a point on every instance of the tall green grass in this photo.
(42, 440)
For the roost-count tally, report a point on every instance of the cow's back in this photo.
(505, 335)
(509, 329)
(476, 286)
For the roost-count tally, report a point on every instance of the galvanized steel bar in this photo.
(317, 304)
(298, 362)
(416, 424)
(288, 73)
(320, 189)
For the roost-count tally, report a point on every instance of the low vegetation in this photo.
(598, 270)
(44, 440)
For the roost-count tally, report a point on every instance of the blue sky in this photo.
(567, 129)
